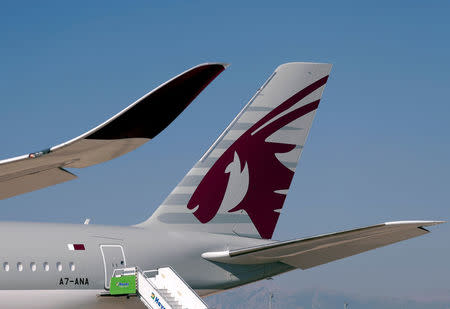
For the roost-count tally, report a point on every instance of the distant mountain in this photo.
(257, 296)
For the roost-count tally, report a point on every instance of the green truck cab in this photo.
(122, 285)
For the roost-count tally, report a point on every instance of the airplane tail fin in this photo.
(240, 184)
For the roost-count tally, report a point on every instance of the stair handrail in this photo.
(185, 284)
(155, 296)
(124, 271)
(138, 269)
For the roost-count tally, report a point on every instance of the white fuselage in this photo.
(39, 266)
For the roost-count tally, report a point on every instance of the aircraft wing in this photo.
(314, 251)
(129, 129)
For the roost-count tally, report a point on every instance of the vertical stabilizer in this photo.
(240, 184)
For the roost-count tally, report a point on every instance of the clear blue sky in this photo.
(378, 150)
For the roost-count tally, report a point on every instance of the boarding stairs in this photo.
(161, 288)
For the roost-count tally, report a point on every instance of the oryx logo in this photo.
(237, 184)
(248, 174)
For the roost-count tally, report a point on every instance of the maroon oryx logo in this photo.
(266, 174)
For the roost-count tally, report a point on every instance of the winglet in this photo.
(126, 131)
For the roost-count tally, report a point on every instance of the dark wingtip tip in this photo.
(224, 65)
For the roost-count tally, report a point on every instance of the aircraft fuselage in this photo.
(54, 257)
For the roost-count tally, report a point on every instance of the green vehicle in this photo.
(123, 285)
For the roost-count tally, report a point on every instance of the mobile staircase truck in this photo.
(161, 288)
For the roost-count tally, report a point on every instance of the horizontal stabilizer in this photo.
(314, 251)
(126, 131)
